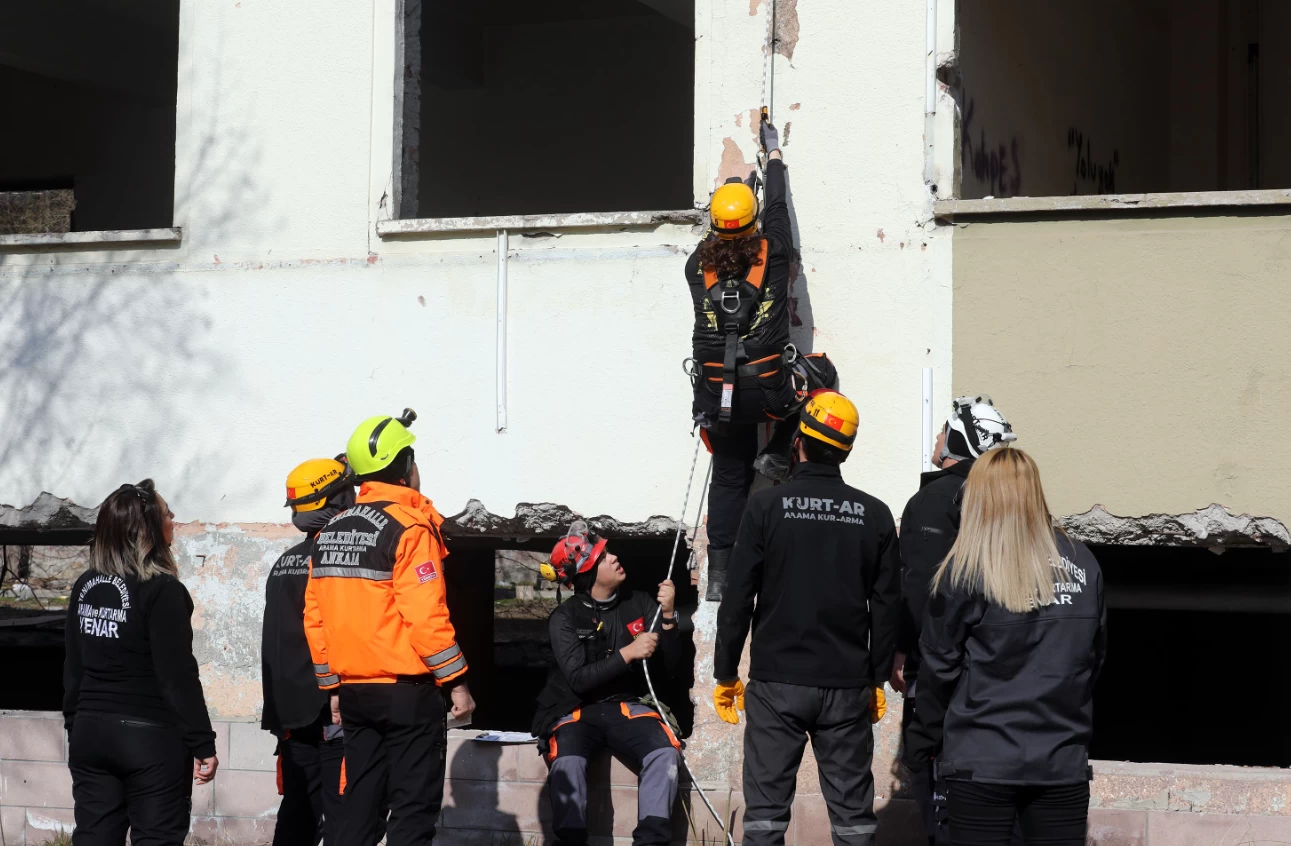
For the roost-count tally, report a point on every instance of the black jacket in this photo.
(292, 699)
(1016, 690)
(586, 637)
(929, 526)
(769, 331)
(821, 559)
(129, 652)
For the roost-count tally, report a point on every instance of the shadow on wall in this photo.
(106, 368)
(802, 320)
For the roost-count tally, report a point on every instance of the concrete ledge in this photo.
(514, 223)
(90, 240)
(1041, 206)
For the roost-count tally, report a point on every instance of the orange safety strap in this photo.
(756, 273)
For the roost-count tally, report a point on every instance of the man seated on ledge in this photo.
(596, 695)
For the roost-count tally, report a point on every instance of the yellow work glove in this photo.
(878, 705)
(727, 697)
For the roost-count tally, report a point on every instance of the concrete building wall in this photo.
(1142, 361)
(281, 319)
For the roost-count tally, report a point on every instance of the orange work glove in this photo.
(878, 705)
(727, 697)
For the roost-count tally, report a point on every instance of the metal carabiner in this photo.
(734, 295)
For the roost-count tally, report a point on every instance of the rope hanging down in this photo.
(768, 90)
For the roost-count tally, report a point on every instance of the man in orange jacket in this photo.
(376, 616)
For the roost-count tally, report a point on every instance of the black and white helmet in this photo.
(974, 427)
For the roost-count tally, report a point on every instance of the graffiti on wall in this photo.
(1096, 177)
(997, 165)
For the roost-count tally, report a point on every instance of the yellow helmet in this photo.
(830, 418)
(378, 441)
(733, 210)
(311, 484)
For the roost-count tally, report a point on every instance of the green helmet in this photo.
(378, 441)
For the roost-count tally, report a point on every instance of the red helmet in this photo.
(576, 553)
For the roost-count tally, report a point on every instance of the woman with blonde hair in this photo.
(1014, 637)
(133, 703)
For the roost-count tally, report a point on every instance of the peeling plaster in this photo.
(1212, 526)
(786, 24)
(732, 164)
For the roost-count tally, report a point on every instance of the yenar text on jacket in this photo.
(375, 607)
(821, 560)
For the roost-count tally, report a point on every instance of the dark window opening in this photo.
(34, 585)
(1197, 667)
(543, 108)
(89, 91)
(503, 631)
(1117, 97)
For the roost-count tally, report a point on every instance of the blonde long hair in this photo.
(1005, 547)
(128, 535)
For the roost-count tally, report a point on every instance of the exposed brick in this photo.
(493, 806)
(242, 793)
(36, 785)
(32, 739)
(249, 748)
(13, 825)
(43, 824)
(475, 761)
(221, 740)
(204, 796)
(230, 831)
(811, 820)
(1117, 828)
(530, 765)
(1167, 828)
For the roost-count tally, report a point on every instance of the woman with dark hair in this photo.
(139, 733)
(739, 280)
(1014, 637)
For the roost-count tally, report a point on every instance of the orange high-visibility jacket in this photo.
(375, 607)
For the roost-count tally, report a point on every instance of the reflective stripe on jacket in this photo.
(376, 608)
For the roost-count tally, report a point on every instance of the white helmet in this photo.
(974, 427)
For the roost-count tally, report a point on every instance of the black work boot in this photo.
(774, 466)
(717, 561)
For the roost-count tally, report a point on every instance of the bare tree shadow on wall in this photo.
(106, 367)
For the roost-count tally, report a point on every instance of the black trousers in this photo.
(640, 738)
(311, 787)
(396, 740)
(734, 446)
(929, 795)
(779, 720)
(985, 814)
(129, 774)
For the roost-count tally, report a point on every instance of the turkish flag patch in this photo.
(636, 627)
(427, 572)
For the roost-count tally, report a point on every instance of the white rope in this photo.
(645, 664)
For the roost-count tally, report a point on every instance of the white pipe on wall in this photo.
(501, 330)
(927, 419)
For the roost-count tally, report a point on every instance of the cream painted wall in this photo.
(1143, 362)
(282, 319)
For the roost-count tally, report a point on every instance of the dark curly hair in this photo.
(731, 257)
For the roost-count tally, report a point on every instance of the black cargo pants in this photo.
(311, 782)
(779, 720)
(396, 742)
(129, 773)
(642, 740)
